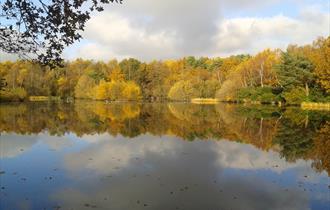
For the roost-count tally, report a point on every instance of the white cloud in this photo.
(150, 30)
(109, 168)
(242, 35)
(13, 145)
(121, 38)
(170, 29)
(244, 156)
(108, 153)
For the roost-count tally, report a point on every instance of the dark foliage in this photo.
(44, 27)
(3, 83)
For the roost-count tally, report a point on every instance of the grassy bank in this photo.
(303, 105)
(44, 98)
(315, 106)
(204, 100)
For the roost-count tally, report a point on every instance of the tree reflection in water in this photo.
(162, 156)
(294, 133)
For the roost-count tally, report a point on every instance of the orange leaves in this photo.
(321, 60)
(117, 90)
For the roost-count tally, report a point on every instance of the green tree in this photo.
(130, 68)
(295, 96)
(295, 71)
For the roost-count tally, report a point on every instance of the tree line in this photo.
(300, 73)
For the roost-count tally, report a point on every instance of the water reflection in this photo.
(139, 156)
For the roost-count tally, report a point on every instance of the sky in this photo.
(170, 29)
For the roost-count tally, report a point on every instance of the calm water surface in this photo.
(92, 155)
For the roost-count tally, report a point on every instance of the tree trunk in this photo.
(261, 73)
(306, 121)
(307, 89)
(260, 129)
(218, 75)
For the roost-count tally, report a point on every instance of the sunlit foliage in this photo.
(271, 76)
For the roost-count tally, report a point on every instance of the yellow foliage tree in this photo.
(84, 87)
(101, 91)
(131, 91)
(321, 60)
(262, 65)
(116, 74)
(115, 89)
(182, 90)
(227, 66)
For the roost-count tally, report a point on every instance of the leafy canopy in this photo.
(44, 28)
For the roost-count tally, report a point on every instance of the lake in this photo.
(93, 155)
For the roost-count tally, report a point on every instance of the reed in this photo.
(315, 106)
(43, 98)
(204, 100)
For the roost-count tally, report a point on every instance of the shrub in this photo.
(182, 91)
(207, 89)
(260, 94)
(20, 93)
(15, 94)
(295, 96)
(228, 91)
(115, 90)
(131, 91)
(317, 95)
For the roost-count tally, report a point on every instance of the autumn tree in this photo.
(154, 75)
(262, 66)
(182, 90)
(116, 90)
(131, 91)
(320, 152)
(130, 68)
(102, 91)
(321, 60)
(116, 74)
(227, 65)
(97, 71)
(299, 74)
(84, 87)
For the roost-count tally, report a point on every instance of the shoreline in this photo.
(316, 106)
